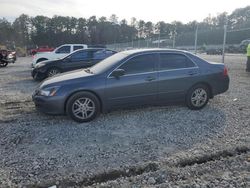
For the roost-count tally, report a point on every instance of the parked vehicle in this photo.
(76, 60)
(3, 62)
(133, 78)
(243, 45)
(8, 55)
(41, 49)
(58, 53)
(11, 57)
(214, 51)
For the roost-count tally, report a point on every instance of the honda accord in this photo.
(133, 78)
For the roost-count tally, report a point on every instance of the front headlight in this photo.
(10, 56)
(51, 91)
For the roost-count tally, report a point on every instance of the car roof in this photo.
(153, 50)
(87, 49)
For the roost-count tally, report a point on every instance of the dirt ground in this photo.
(168, 146)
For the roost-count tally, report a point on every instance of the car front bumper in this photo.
(49, 105)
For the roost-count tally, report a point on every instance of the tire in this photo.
(3, 64)
(82, 113)
(197, 97)
(53, 71)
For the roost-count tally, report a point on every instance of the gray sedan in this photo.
(133, 78)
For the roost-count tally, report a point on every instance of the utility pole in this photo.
(174, 40)
(195, 40)
(159, 38)
(224, 41)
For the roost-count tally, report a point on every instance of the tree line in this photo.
(41, 30)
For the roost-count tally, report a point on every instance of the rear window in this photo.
(171, 61)
(197, 59)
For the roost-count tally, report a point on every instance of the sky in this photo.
(154, 10)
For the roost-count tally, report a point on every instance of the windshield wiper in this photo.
(88, 70)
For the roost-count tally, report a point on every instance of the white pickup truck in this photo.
(58, 53)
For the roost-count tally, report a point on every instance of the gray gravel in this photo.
(42, 150)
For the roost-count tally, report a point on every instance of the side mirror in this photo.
(118, 73)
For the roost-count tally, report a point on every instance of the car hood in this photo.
(48, 62)
(65, 78)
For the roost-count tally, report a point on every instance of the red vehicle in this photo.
(41, 49)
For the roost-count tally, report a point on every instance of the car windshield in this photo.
(107, 63)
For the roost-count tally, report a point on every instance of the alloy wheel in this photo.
(199, 97)
(83, 108)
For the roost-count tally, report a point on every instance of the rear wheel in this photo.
(197, 97)
(3, 64)
(83, 107)
(52, 72)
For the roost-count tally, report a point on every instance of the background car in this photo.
(214, 51)
(76, 60)
(41, 49)
(133, 78)
(59, 52)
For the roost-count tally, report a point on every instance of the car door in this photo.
(79, 59)
(177, 73)
(138, 85)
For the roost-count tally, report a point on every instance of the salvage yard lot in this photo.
(42, 150)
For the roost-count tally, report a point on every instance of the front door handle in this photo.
(191, 73)
(150, 78)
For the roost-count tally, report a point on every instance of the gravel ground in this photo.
(156, 146)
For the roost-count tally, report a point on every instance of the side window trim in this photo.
(179, 53)
(155, 65)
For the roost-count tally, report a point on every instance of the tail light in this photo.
(225, 71)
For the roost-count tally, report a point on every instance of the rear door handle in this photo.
(150, 78)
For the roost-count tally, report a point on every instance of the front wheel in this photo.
(3, 64)
(52, 72)
(83, 107)
(197, 97)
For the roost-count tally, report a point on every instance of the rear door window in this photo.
(77, 48)
(140, 64)
(81, 56)
(102, 54)
(171, 61)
